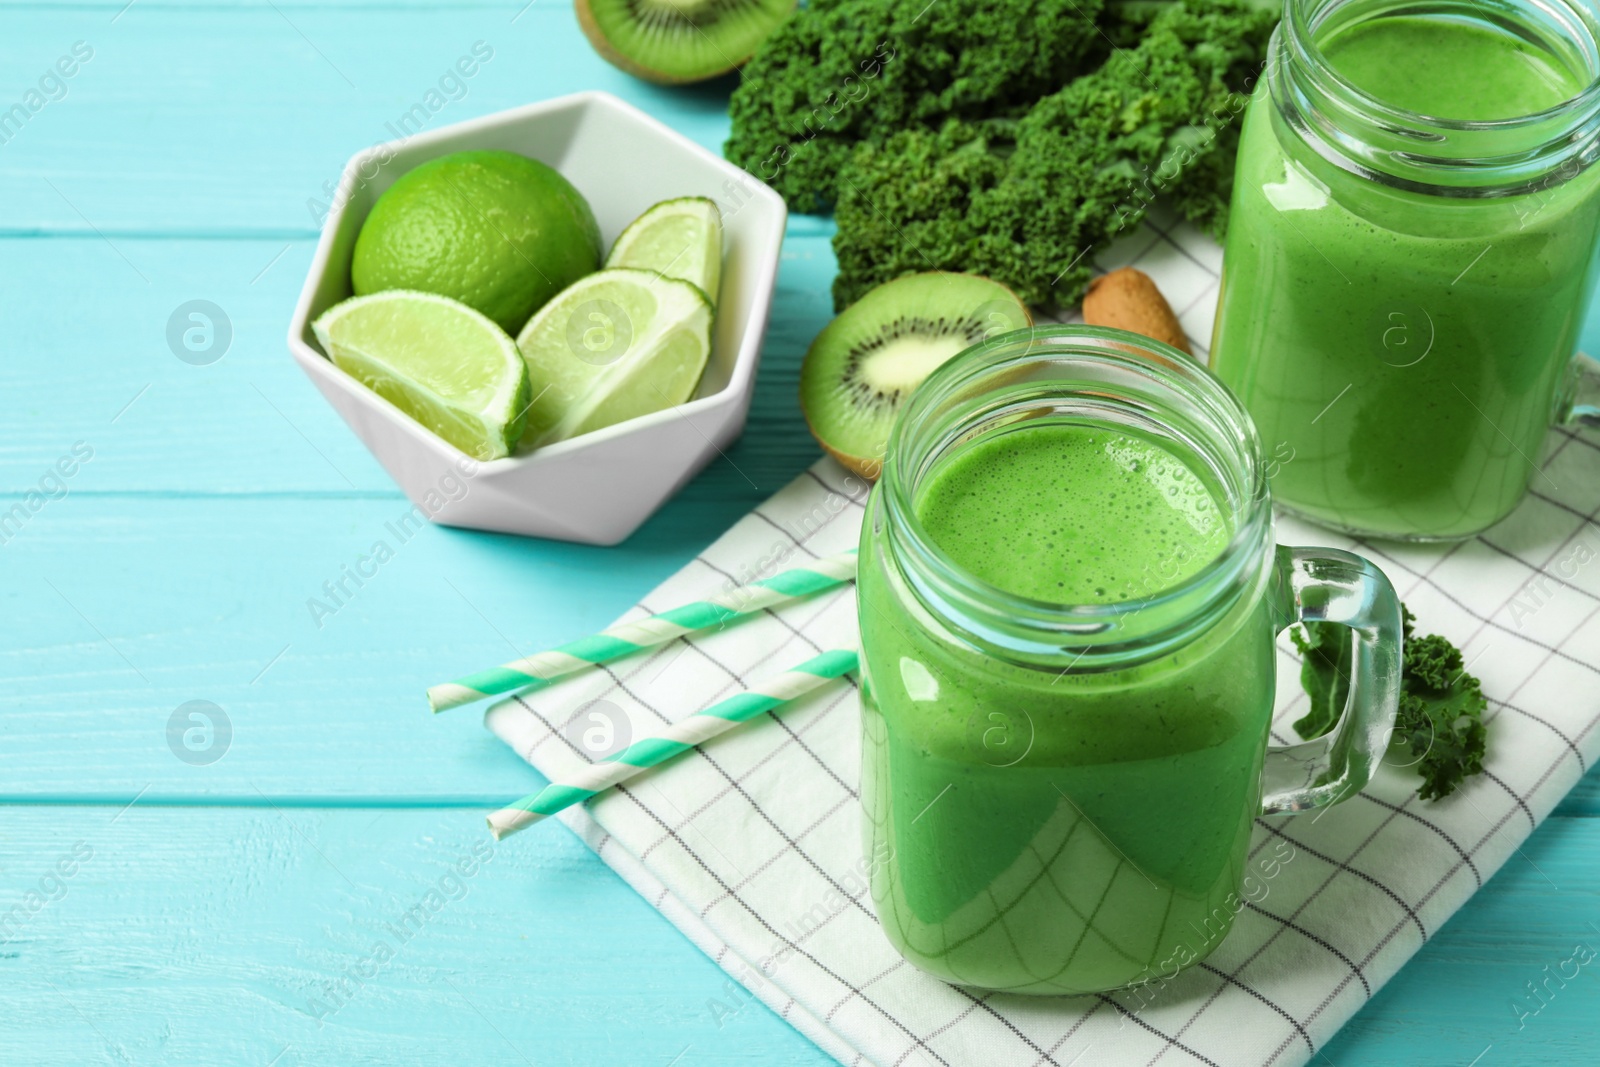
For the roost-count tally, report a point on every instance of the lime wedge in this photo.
(439, 361)
(679, 238)
(613, 346)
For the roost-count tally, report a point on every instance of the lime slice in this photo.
(439, 361)
(679, 238)
(614, 346)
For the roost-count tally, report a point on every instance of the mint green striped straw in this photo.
(542, 668)
(719, 718)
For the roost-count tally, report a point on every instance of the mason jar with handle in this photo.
(1410, 252)
(1068, 664)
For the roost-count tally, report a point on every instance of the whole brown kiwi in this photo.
(1129, 300)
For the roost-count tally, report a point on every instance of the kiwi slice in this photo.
(864, 365)
(677, 41)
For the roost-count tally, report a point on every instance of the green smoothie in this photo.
(1400, 351)
(1059, 832)
(1071, 515)
(1449, 69)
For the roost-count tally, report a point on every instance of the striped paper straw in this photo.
(542, 668)
(719, 718)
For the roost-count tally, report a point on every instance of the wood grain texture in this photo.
(178, 165)
(225, 121)
(346, 937)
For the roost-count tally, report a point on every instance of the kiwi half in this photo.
(677, 41)
(864, 365)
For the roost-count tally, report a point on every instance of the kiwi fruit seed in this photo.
(676, 41)
(864, 365)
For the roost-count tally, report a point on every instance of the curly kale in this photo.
(842, 72)
(1026, 200)
(1440, 721)
(1441, 714)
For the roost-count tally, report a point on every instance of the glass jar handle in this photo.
(1327, 585)
(1580, 399)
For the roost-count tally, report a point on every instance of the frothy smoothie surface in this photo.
(1449, 69)
(1072, 514)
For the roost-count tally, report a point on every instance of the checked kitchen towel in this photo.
(752, 845)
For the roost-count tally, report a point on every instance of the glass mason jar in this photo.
(1402, 294)
(1058, 798)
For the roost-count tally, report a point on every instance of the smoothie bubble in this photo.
(1072, 515)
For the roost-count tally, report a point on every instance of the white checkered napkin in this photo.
(752, 844)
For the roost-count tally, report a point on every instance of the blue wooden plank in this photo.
(99, 649)
(293, 936)
(228, 121)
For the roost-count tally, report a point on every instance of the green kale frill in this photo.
(1027, 201)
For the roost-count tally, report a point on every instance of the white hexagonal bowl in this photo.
(597, 488)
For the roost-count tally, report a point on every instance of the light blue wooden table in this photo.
(157, 911)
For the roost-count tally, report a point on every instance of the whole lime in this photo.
(498, 231)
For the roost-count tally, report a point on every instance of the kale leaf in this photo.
(1025, 199)
(844, 72)
(1440, 720)
(1441, 713)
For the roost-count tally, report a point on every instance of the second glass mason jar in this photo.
(1410, 251)
(1058, 793)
